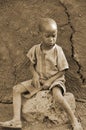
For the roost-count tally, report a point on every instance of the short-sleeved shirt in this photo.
(48, 63)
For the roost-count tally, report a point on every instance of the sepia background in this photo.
(19, 32)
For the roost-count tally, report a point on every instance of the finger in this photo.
(35, 84)
(41, 82)
(38, 84)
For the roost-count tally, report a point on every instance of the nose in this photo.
(51, 39)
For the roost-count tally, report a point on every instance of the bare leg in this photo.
(16, 121)
(17, 90)
(57, 94)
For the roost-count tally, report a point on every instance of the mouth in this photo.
(50, 44)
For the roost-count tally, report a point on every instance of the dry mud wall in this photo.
(19, 32)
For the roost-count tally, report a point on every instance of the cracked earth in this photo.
(71, 40)
(19, 32)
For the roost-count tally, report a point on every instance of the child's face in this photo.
(49, 34)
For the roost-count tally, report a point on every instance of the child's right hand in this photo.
(35, 81)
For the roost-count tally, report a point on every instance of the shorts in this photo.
(57, 83)
(60, 84)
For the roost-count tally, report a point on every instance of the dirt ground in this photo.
(19, 32)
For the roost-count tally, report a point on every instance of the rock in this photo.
(42, 107)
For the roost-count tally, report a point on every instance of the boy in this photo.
(47, 65)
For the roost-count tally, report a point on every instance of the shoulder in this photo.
(36, 46)
(58, 47)
(33, 48)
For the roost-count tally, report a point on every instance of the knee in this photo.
(57, 94)
(16, 89)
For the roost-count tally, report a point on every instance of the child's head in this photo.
(48, 30)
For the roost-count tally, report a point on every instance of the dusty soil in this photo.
(19, 32)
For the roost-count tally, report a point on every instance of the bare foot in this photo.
(77, 126)
(11, 124)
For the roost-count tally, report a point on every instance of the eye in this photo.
(53, 35)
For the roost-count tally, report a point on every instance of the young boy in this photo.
(48, 65)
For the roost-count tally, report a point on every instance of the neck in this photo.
(45, 47)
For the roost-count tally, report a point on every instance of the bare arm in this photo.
(32, 69)
(35, 79)
(46, 83)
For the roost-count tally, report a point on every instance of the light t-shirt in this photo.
(48, 63)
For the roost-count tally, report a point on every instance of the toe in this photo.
(77, 127)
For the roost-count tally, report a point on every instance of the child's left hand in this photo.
(45, 83)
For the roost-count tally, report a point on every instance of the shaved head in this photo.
(47, 24)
